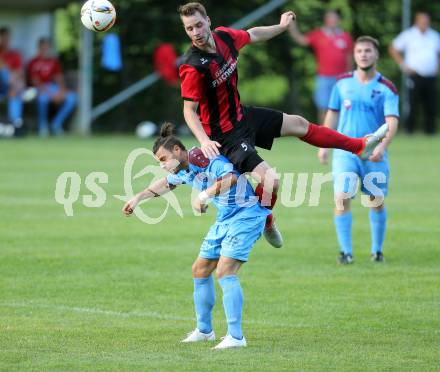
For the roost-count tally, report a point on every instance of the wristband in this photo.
(203, 197)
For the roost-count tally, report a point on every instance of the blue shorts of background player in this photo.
(349, 170)
(323, 91)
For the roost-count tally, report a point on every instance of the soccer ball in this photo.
(98, 15)
(146, 129)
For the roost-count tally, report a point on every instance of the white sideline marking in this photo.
(144, 314)
(153, 314)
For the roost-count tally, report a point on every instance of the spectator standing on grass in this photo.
(332, 47)
(45, 73)
(417, 51)
(11, 78)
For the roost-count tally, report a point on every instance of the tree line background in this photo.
(278, 73)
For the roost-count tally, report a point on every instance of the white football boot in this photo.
(273, 236)
(372, 140)
(229, 342)
(197, 336)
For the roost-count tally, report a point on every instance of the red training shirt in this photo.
(331, 51)
(43, 69)
(12, 59)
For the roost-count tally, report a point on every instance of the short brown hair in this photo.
(167, 138)
(190, 9)
(368, 39)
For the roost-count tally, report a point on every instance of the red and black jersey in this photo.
(211, 80)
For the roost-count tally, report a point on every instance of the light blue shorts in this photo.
(233, 238)
(323, 91)
(349, 169)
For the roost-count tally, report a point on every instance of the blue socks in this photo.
(378, 222)
(343, 231)
(233, 304)
(204, 300)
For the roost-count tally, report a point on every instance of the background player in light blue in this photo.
(360, 103)
(240, 222)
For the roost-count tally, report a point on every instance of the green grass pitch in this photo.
(99, 291)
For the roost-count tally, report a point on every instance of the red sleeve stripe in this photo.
(388, 84)
(345, 75)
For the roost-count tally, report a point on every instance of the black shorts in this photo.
(258, 128)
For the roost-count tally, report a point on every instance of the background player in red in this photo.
(11, 78)
(46, 75)
(214, 114)
(332, 47)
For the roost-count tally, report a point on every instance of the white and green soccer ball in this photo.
(98, 15)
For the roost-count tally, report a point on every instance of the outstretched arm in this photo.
(264, 33)
(208, 147)
(296, 34)
(155, 190)
(220, 187)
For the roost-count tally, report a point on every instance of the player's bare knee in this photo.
(342, 203)
(224, 270)
(201, 270)
(377, 208)
(227, 266)
(294, 125)
(302, 124)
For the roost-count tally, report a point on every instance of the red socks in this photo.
(269, 221)
(328, 138)
(267, 200)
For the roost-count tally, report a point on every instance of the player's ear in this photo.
(209, 20)
(176, 149)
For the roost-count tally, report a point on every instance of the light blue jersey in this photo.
(240, 218)
(362, 110)
(363, 107)
(240, 198)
